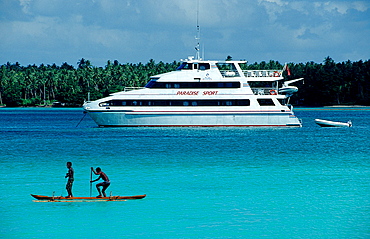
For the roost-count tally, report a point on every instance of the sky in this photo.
(133, 31)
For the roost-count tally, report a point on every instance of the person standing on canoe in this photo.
(104, 184)
(70, 176)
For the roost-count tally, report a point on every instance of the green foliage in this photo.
(330, 83)
(326, 83)
(42, 85)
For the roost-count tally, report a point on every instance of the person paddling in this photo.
(70, 176)
(104, 184)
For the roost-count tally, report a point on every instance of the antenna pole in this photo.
(197, 56)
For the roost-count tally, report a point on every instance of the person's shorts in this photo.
(69, 183)
(104, 184)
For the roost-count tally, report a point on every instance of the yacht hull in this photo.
(200, 119)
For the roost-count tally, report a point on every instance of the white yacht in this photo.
(201, 93)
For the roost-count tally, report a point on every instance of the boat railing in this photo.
(261, 73)
(229, 73)
(264, 91)
(133, 88)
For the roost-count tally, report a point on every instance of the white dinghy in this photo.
(328, 123)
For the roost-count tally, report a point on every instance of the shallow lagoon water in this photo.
(307, 182)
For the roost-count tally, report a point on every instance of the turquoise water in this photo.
(307, 182)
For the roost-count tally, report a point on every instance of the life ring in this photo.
(273, 92)
(276, 74)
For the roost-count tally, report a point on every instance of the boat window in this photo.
(150, 84)
(185, 66)
(181, 66)
(161, 102)
(193, 85)
(226, 66)
(204, 66)
(208, 102)
(266, 102)
(282, 101)
(193, 103)
(242, 102)
(176, 103)
(265, 84)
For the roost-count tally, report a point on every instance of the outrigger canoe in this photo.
(111, 198)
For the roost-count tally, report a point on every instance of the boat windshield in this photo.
(185, 66)
(150, 84)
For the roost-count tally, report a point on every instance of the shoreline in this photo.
(345, 106)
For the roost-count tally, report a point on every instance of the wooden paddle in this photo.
(90, 181)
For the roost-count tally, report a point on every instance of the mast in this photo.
(197, 47)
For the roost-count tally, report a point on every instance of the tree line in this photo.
(42, 85)
(327, 83)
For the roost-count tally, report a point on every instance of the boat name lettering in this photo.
(213, 92)
(187, 92)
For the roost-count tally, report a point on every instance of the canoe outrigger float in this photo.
(70, 199)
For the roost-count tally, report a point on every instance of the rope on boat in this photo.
(81, 119)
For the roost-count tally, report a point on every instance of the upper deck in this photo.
(228, 69)
(197, 74)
